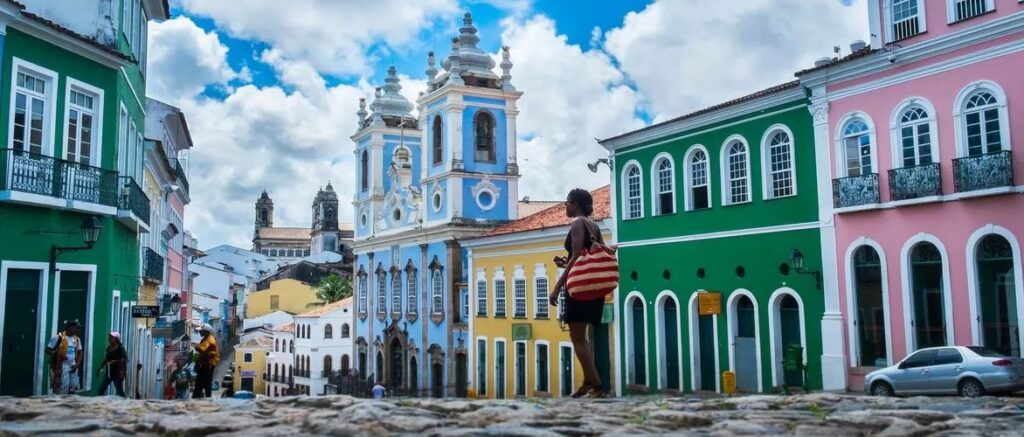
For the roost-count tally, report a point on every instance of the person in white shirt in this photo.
(378, 391)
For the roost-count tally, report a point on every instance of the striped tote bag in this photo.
(594, 275)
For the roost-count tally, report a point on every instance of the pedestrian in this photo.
(66, 356)
(582, 315)
(181, 378)
(207, 357)
(115, 364)
(378, 391)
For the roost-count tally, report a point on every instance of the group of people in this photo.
(66, 353)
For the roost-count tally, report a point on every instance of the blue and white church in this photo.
(424, 184)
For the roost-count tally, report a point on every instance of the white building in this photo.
(281, 361)
(323, 345)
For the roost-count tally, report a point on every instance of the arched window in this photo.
(907, 18)
(915, 137)
(499, 297)
(382, 293)
(982, 123)
(328, 365)
(926, 281)
(247, 357)
(483, 134)
(345, 331)
(396, 294)
(633, 200)
(329, 214)
(291, 346)
(412, 302)
(698, 181)
(364, 173)
(438, 136)
(277, 345)
(779, 168)
(436, 292)
(736, 173)
(857, 148)
(328, 331)
(664, 186)
(362, 293)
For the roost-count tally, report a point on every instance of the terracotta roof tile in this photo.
(288, 327)
(284, 233)
(555, 216)
(328, 308)
(534, 206)
(852, 56)
(258, 342)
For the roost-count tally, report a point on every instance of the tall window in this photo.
(982, 124)
(81, 126)
(30, 112)
(906, 19)
(382, 292)
(481, 367)
(481, 298)
(857, 147)
(540, 285)
(364, 171)
(926, 273)
(960, 10)
(664, 202)
(328, 331)
(782, 180)
(700, 193)
(737, 172)
(542, 368)
(437, 145)
(412, 303)
(519, 288)
(362, 294)
(499, 298)
(437, 292)
(634, 192)
(396, 294)
(915, 137)
(483, 129)
(345, 331)
(870, 316)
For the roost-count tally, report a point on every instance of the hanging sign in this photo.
(145, 311)
(709, 303)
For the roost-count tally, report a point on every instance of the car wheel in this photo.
(882, 389)
(971, 388)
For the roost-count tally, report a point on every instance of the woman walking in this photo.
(582, 315)
(115, 366)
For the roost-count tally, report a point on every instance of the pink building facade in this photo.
(927, 205)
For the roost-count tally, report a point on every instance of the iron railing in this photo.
(855, 190)
(36, 173)
(965, 9)
(906, 28)
(179, 174)
(981, 172)
(915, 182)
(133, 199)
(152, 265)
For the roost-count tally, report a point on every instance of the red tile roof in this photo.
(328, 308)
(852, 56)
(555, 216)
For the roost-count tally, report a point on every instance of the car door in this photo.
(912, 374)
(945, 373)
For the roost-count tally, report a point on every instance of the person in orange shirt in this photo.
(207, 357)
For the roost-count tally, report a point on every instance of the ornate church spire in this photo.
(378, 120)
(454, 64)
(506, 70)
(431, 71)
(361, 114)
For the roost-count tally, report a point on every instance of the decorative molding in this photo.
(723, 234)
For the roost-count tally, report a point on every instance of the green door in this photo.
(671, 345)
(247, 384)
(565, 370)
(997, 295)
(72, 303)
(21, 311)
(602, 355)
(789, 318)
(708, 373)
(639, 344)
(499, 370)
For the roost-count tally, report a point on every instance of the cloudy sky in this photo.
(270, 88)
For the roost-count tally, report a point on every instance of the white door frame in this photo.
(732, 319)
(775, 332)
(89, 313)
(661, 346)
(851, 299)
(974, 292)
(630, 348)
(41, 334)
(695, 358)
(908, 300)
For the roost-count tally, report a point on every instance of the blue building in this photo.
(424, 184)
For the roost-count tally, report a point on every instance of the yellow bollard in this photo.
(729, 383)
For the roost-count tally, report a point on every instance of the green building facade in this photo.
(72, 96)
(719, 201)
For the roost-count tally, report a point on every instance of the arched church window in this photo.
(365, 172)
(329, 214)
(483, 131)
(438, 148)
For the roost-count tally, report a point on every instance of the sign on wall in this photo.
(248, 373)
(709, 303)
(521, 331)
(145, 311)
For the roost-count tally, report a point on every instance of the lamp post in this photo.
(91, 228)
(797, 260)
(593, 165)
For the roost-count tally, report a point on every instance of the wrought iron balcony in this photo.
(915, 182)
(152, 265)
(982, 172)
(34, 173)
(179, 174)
(133, 199)
(855, 190)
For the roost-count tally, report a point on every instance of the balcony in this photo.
(919, 181)
(179, 174)
(983, 172)
(853, 191)
(132, 204)
(152, 266)
(37, 179)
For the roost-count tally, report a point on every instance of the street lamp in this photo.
(91, 228)
(797, 259)
(175, 304)
(593, 165)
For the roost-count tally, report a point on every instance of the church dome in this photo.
(474, 65)
(389, 105)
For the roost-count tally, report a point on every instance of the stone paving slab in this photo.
(828, 415)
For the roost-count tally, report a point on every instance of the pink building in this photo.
(927, 211)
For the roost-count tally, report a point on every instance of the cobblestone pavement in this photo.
(809, 415)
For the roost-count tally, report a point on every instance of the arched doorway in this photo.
(703, 348)
(997, 295)
(395, 377)
(787, 332)
(436, 380)
(927, 293)
(869, 319)
(461, 375)
(328, 366)
(379, 374)
(344, 365)
(414, 383)
(636, 341)
(668, 342)
(743, 329)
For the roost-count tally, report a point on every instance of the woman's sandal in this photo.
(584, 390)
(596, 393)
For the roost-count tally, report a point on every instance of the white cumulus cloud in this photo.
(184, 59)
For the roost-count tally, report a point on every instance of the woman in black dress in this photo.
(581, 315)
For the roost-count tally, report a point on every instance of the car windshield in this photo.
(985, 352)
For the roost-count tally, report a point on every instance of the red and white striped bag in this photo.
(594, 275)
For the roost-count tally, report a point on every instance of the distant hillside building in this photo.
(288, 244)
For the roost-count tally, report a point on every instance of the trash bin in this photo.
(793, 365)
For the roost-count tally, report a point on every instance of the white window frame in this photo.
(639, 198)
(515, 370)
(382, 292)
(896, 127)
(536, 365)
(436, 292)
(363, 291)
(727, 178)
(840, 141)
(960, 114)
(990, 5)
(481, 293)
(540, 272)
(49, 100)
(396, 295)
(767, 188)
(688, 176)
(95, 158)
(503, 377)
(500, 294)
(890, 16)
(481, 383)
(656, 189)
(519, 300)
(412, 301)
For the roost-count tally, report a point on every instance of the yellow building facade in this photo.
(251, 365)
(519, 348)
(287, 295)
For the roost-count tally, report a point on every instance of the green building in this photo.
(711, 208)
(72, 93)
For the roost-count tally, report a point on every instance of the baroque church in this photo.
(291, 244)
(423, 183)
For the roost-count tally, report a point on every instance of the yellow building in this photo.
(251, 364)
(287, 295)
(518, 348)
